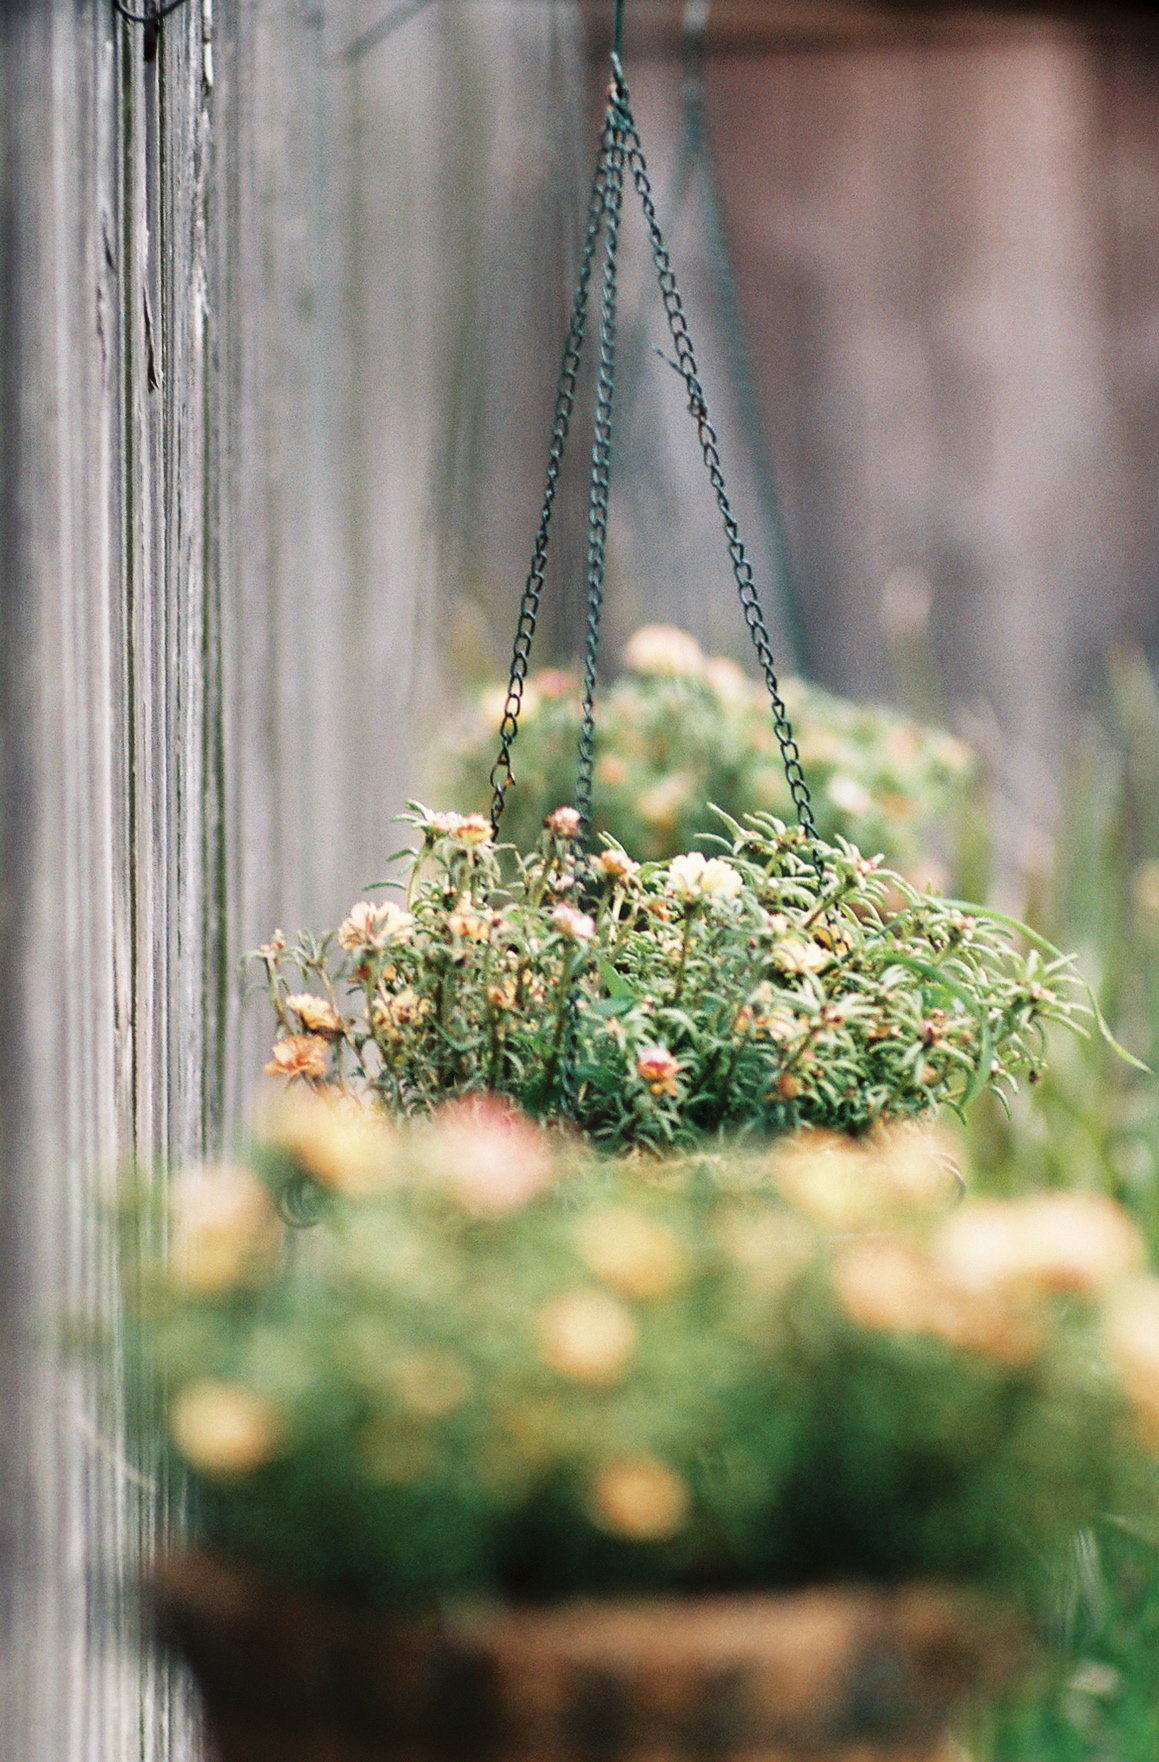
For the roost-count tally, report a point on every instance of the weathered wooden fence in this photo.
(236, 305)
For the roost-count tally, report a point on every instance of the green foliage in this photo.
(677, 731)
(1094, 1120)
(785, 984)
(497, 1363)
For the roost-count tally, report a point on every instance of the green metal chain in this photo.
(620, 151)
(620, 146)
(710, 451)
(502, 775)
(600, 479)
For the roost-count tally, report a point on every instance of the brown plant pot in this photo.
(832, 1675)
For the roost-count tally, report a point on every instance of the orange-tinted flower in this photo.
(641, 1499)
(317, 1014)
(300, 1055)
(659, 1069)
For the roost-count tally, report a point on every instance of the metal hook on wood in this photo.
(150, 19)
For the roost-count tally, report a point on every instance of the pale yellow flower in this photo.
(769, 1247)
(660, 806)
(730, 682)
(849, 1184)
(889, 1285)
(339, 1139)
(612, 770)
(444, 824)
(393, 1012)
(223, 1227)
(472, 830)
(1131, 1331)
(469, 923)
(371, 926)
(317, 1014)
(662, 649)
(1080, 1243)
(695, 876)
(299, 1055)
(493, 1159)
(587, 1336)
(640, 1498)
(849, 795)
(576, 925)
(222, 1429)
(794, 955)
(633, 1253)
(616, 864)
(493, 705)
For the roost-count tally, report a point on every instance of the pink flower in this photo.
(576, 925)
(492, 1157)
(564, 822)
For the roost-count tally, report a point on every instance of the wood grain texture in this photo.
(225, 374)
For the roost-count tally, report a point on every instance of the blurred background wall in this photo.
(282, 292)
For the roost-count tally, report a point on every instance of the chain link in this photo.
(600, 480)
(620, 150)
(502, 776)
(742, 569)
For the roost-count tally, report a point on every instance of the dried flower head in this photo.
(616, 864)
(392, 1012)
(317, 1015)
(469, 923)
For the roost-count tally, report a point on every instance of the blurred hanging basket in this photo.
(840, 1675)
(783, 981)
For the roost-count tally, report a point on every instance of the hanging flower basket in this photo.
(820, 1676)
(679, 729)
(784, 982)
(445, 1441)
